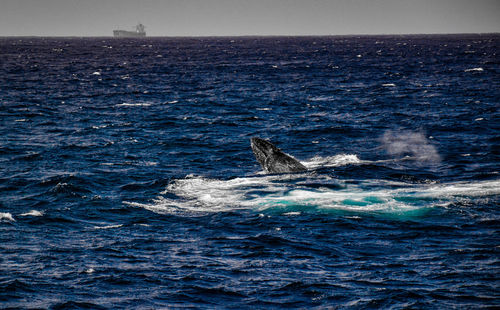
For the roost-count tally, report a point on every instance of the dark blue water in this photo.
(127, 178)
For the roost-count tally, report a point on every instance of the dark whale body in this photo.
(272, 159)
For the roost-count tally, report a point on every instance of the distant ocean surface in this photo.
(127, 179)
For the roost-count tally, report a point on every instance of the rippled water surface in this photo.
(127, 179)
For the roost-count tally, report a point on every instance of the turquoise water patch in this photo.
(363, 202)
(374, 199)
(352, 202)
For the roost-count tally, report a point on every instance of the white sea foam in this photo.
(108, 226)
(99, 127)
(126, 104)
(389, 85)
(32, 213)
(291, 213)
(5, 216)
(322, 98)
(479, 69)
(461, 189)
(362, 199)
(292, 195)
(331, 161)
(199, 194)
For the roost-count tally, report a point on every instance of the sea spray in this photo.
(410, 143)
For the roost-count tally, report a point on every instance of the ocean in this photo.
(127, 179)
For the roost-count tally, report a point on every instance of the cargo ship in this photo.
(139, 32)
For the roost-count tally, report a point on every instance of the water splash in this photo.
(410, 143)
(294, 193)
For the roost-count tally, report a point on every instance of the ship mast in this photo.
(139, 28)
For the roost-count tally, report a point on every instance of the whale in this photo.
(272, 159)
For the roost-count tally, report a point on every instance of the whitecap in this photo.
(108, 226)
(389, 85)
(99, 127)
(292, 213)
(462, 189)
(126, 104)
(479, 69)
(32, 213)
(5, 216)
(96, 73)
(321, 98)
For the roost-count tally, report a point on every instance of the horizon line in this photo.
(252, 35)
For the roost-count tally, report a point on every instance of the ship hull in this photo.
(128, 34)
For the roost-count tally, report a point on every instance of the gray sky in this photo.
(247, 17)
